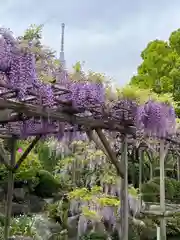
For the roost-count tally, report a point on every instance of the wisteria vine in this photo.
(18, 64)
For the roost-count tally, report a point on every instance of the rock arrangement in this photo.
(23, 202)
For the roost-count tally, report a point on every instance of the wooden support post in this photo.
(26, 152)
(8, 208)
(111, 153)
(178, 168)
(141, 159)
(162, 189)
(121, 233)
(94, 137)
(124, 186)
(12, 167)
(122, 171)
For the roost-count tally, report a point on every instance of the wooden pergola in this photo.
(156, 147)
(14, 111)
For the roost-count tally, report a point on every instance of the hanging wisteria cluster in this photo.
(156, 119)
(96, 196)
(19, 72)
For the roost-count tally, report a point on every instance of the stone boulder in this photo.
(19, 194)
(45, 227)
(19, 209)
(73, 226)
(35, 203)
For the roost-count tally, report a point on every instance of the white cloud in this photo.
(109, 38)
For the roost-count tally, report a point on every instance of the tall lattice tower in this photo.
(62, 59)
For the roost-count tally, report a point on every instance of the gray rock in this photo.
(36, 204)
(45, 227)
(19, 194)
(49, 200)
(72, 226)
(57, 197)
(54, 227)
(19, 209)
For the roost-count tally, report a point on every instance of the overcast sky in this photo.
(108, 35)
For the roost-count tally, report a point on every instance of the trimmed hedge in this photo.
(47, 184)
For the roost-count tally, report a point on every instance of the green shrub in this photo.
(22, 226)
(26, 172)
(3, 173)
(94, 236)
(59, 212)
(47, 157)
(176, 186)
(29, 169)
(47, 184)
(150, 191)
(148, 232)
(169, 187)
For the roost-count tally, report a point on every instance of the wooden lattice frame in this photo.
(65, 113)
(23, 110)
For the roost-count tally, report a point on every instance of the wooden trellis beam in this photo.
(158, 214)
(88, 122)
(26, 152)
(110, 153)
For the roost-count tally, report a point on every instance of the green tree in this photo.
(33, 33)
(159, 70)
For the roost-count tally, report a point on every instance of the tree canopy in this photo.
(159, 70)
